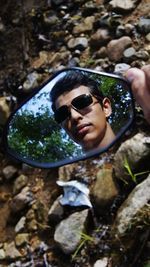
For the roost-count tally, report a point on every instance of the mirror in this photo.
(77, 114)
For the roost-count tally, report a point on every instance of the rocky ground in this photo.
(38, 38)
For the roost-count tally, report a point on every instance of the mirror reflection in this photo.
(75, 113)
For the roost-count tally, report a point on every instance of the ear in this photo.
(107, 107)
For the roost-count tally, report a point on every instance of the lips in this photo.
(82, 129)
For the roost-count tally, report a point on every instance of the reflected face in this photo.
(88, 126)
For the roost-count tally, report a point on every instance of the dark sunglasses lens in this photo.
(61, 114)
(82, 101)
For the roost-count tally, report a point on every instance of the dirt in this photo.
(17, 50)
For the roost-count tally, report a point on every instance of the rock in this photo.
(144, 25)
(2, 254)
(9, 172)
(50, 18)
(120, 31)
(136, 151)
(129, 54)
(142, 55)
(20, 225)
(121, 68)
(22, 239)
(22, 200)
(32, 225)
(129, 28)
(11, 252)
(101, 53)
(137, 199)
(101, 263)
(123, 6)
(79, 43)
(68, 232)
(115, 48)
(148, 37)
(100, 38)
(4, 110)
(20, 182)
(55, 213)
(104, 191)
(85, 26)
(32, 81)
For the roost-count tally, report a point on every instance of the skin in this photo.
(140, 84)
(87, 127)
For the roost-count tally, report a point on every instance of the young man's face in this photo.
(86, 127)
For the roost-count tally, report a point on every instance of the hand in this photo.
(140, 84)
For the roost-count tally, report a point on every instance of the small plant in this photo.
(147, 264)
(133, 176)
(84, 238)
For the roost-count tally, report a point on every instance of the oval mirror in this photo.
(77, 114)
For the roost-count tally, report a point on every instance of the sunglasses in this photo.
(78, 103)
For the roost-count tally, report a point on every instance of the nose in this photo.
(75, 115)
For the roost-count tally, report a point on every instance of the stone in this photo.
(85, 26)
(101, 263)
(50, 18)
(68, 232)
(136, 151)
(115, 48)
(11, 251)
(79, 43)
(104, 191)
(22, 200)
(32, 81)
(32, 225)
(129, 54)
(19, 183)
(20, 225)
(9, 172)
(123, 6)
(148, 37)
(121, 68)
(142, 55)
(4, 110)
(56, 212)
(137, 199)
(100, 38)
(144, 25)
(21, 239)
(2, 254)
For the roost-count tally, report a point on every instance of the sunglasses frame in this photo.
(73, 106)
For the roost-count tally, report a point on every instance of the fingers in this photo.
(140, 84)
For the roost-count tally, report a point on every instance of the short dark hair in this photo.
(72, 80)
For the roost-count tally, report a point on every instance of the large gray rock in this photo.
(129, 210)
(68, 232)
(136, 152)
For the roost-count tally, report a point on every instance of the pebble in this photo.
(115, 48)
(79, 43)
(9, 172)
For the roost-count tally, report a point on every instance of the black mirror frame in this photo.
(90, 154)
